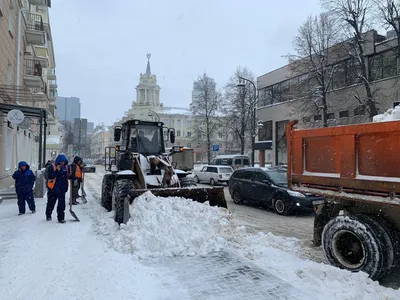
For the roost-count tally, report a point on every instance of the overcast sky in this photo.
(101, 46)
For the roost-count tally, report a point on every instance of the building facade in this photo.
(279, 100)
(68, 108)
(148, 106)
(27, 79)
(100, 140)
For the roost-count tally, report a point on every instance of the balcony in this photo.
(51, 74)
(41, 2)
(33, 73)
(34, 33)
(53, 84)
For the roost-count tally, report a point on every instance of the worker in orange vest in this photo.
(76, 178)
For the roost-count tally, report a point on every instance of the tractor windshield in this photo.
(146, 139)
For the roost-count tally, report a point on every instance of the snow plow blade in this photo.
(214, 195)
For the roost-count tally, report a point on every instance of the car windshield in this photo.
(225, 170)
(88, 161)
(279, 177)
(145, 139)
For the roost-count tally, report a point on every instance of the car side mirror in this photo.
(117, 134)
(172, 136)
(266, 182)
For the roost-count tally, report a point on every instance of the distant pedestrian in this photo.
(76, 178)
(57, 186)
(24, 182)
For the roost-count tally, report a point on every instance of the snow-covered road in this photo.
(95, 259)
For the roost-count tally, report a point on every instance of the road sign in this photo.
(15, 116)
(215, 147)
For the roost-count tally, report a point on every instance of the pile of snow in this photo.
(392, 114)
(175, 226)
(167, 227)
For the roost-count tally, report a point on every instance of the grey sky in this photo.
(101, 46)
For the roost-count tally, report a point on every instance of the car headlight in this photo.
(296, 194)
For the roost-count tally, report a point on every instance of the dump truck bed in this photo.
(356, 162)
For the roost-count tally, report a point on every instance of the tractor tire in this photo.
(187, 182)
(120, 199)
(106, 191)
(353, 243)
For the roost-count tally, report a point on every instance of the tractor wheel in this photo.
(106, 191)
(120, 200)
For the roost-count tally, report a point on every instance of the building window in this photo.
(178, 133)
(317, 117)
(285, 90)
(220, 135)
(276, 94)
(330, 116)
(189, 124)
(189, 134)
(389, 64)
(344, 114)
(265, 132)
(178, 123)
(339, 78)
(306, 120)
(359, 111)
(166, 122)
(9, 148)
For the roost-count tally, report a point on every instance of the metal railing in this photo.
(34, 22)
(32, 67)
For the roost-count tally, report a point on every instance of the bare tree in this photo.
(238, 105)
(354, 15)
(68, 135)
(316, 57)
(388, 11)
(205, 106)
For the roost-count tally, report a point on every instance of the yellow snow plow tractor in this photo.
(138, 163)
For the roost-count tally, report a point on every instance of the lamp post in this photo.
(253, 107)
(151, 112)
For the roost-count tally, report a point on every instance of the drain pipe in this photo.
(21, 10)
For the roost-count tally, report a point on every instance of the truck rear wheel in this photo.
(354, 243)
(120, 199)
(106, 192)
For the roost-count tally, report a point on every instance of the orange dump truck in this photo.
(357, 169)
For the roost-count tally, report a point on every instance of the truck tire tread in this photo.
(121, 190)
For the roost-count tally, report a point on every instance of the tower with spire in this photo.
(148, 91)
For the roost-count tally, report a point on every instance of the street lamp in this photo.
(253, 106)
(151, 112)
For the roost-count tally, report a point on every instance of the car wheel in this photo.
(281, 207)
(212, 181)
(237, 198)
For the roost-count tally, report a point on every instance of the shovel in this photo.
(83, 197)
(70, 203)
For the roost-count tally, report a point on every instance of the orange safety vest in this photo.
(78, 172)
(52, 182)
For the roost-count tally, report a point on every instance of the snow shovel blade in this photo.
(73, 214)
(215, 195)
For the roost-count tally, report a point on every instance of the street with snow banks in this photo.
(171, 249)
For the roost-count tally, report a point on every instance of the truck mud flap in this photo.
(214, 195)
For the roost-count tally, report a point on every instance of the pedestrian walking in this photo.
(76, 178)
(57, 186)
(24, 182)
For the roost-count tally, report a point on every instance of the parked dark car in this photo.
(268, 187)
(89, 166)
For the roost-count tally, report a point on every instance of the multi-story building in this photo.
(100, 140)
(27, 74)
(149, 107)
(68, 108)
(279, 97)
